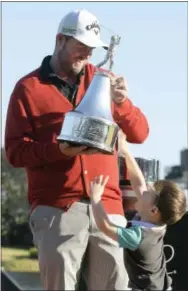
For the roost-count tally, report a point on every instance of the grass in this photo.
(18, 260)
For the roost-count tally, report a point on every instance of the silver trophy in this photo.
(91, 122)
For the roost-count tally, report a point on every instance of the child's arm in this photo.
(103, 223)
(127, 238)
(135, 174)
(102, 220)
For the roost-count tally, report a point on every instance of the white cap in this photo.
(83, 26)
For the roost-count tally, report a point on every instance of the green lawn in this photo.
(17, 260)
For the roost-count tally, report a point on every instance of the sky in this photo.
(152, 56)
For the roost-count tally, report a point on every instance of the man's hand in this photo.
(119, 89)
(97, 187)
(72, 151)
(122, 144)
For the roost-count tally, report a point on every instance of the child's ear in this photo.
(155, 210)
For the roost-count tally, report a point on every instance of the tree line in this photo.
(14, 206)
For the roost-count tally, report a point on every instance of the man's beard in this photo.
(72, 68)
(77, 68)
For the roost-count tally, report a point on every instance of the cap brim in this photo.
(91, 42)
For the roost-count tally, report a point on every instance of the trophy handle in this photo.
(115, 40)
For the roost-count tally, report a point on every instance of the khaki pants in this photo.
(63, 238)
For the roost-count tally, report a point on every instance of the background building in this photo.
(179, 173)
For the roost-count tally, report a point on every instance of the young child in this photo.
(157, 206)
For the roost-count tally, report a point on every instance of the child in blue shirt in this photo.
(158, 205)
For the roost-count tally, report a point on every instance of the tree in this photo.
(14, 203)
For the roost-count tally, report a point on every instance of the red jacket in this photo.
(34, 120)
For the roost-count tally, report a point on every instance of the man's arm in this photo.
(21, 148)
(131, 120)
(129, 117)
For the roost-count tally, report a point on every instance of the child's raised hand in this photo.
(97, 187)
(122, 143)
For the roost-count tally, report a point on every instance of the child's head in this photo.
(163, 203)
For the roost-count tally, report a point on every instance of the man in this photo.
(59, 174)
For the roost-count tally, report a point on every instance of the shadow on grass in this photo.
(26, 280)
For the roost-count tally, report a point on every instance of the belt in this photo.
(85, 200)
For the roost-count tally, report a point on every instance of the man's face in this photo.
(72, 54)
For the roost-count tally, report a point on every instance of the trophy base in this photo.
(93, 132)
(89, 146)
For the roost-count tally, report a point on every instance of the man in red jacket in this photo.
(58, 174)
